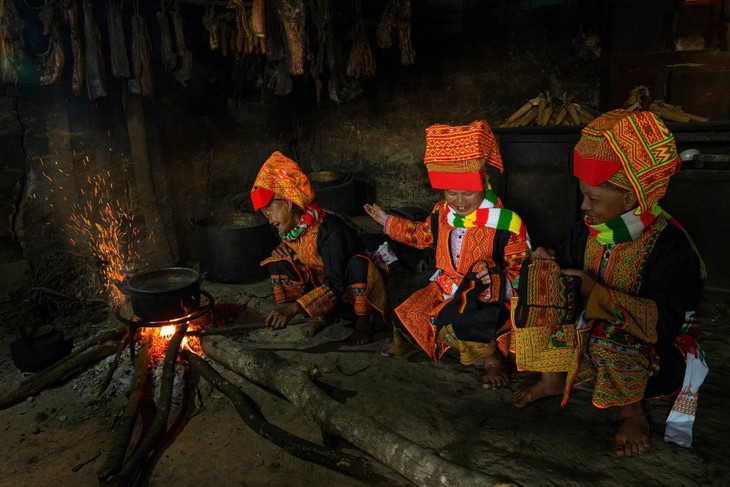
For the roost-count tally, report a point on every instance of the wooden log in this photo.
(159, 424)
(300, 448)
(127, 339)
(416, 463)
(123, 434)
(57, 374)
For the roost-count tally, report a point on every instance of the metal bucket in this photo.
(232, 245)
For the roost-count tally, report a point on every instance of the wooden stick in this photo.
(123, 434)
(57, 374)
(300, 448)
(416, 463)
(127, 339)
(159, 425)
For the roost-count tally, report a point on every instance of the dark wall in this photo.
(208, 137)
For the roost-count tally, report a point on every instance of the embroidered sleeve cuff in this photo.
(318, 302)
(386, 224)
(599, 305)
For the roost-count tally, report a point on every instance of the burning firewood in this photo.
(416, 463)
(159, 425)
(123, 434)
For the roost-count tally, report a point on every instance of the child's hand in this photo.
(543, 253)
(376, 213)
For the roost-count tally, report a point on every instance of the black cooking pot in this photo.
(163, 294)
(232, 245)
(335, 191)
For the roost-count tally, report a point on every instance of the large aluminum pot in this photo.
(163, 294)
(232, 245)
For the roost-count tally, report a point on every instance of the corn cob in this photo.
(572, 112)
(523, 110)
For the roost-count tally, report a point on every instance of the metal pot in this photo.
(323, 179)
(232, 245)
(335, 191)
(163, 294)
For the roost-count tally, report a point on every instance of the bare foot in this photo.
(314, 325)
(496, 372)
(550, 384)
(387, 348)
(363, 332)
(632, 433)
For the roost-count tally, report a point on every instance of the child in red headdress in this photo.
(320, 260)
(479, 249)
(641, 279)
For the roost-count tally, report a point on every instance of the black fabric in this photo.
(470, 318)
(338, 245)
(671, 278)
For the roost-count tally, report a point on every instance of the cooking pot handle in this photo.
(123, 286)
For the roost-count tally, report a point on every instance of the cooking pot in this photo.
(163, 294)
(335, 191)
(322, 179)
(232, 245)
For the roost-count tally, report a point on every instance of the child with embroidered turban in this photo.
(479, 249)
(320, 260)
(640, 280)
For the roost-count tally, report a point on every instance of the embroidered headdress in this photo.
(632, 150)
(455, 156)
(281, 175)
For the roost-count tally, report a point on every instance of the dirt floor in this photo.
(60, 437)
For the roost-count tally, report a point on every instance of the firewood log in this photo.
(416, 463)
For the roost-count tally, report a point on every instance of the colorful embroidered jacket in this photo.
(637, 309)
(504, 249)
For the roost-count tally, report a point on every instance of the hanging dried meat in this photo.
(167, 47)
(211, 24)
(141, 84)
(384, 32)
(94, 62)
(258, 19)
(403, 26)
(51, 61)
(117, 46)
(292, 16)
(12, 49)
(324, 58)
(274, 47)
(243, 38)
(361, 64)
(184, 70)
(71, 15)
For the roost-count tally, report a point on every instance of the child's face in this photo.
(280, 214)
(463, 202)
(601, 203)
